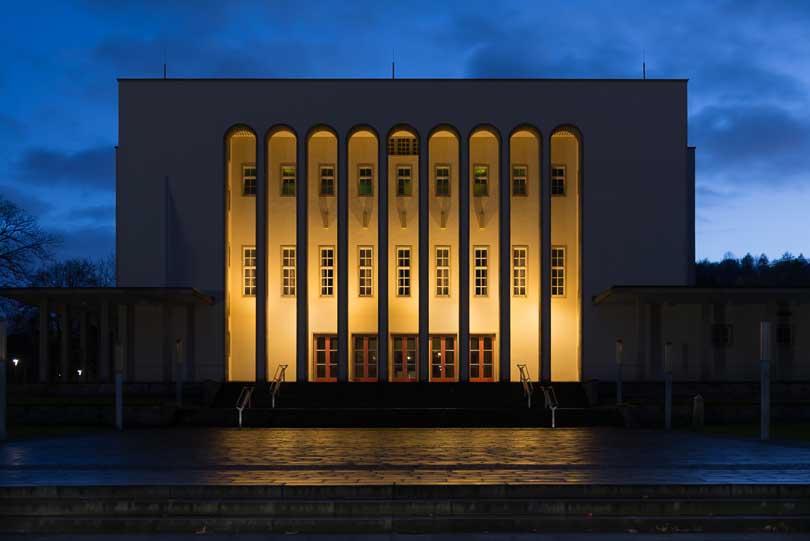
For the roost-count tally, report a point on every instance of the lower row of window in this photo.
(404, 355)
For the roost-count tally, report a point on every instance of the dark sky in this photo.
(748, 63)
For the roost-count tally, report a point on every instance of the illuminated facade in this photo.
(402, 230)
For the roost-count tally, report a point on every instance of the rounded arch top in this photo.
(402, 130)
(362, 130)
(567, 130)
(322, 130)
(444, 130)
(281, 130)
(485, 131)
(526, 130)
(240, 130)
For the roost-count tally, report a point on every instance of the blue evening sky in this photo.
(748, 63)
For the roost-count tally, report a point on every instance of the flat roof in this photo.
(701, 295)
(405, 79)
(88, 295)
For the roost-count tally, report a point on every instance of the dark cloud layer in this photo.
(92, 167)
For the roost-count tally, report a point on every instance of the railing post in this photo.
(619, 359)
(668, 386)
(765, 380)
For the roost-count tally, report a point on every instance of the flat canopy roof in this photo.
(122, 295)
(702, 295)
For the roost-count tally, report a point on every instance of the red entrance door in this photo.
(404, 358)
(365, 358)
(481, 368)
(326, 358)
(442, 358)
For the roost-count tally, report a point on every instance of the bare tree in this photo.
(23, 243)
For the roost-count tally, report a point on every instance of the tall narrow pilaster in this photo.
(424, 257)
(504, 258)
(382, 258)
(261, 260)
(301, 261)
(464, 257)
(343, 259)
(545, 260)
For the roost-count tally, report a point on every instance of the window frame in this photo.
(246, 287)
(322, 268)
(367, 353)
(436, 177)
(564, 272)
(516, 286)
(445, 269)
(482, 289)
(525, 178)
(361, 177)
(361, 269)
(254, 177)
(328, 352)
(402, 270)
(321, 177)
(404, 350)
(283, 177)
(397, 177)
(480, 340)
(564, 180)
(291, 269)
(443, 349)
(476, 177)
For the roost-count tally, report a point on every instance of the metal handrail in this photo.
(243, 401)
(526, 380)
(550, 402)
(278, 379)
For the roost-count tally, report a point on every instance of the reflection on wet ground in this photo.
(398, 455)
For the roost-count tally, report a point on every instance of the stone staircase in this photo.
(405, 508)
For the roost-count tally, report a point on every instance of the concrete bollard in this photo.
(619, 359)
(697, 413)
(765, 380)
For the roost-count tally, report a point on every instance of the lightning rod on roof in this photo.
(393, 65)
(644, 65)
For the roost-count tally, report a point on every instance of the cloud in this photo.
(10, 126)
(90, 168)
(25, 199)
(92, 242)
(94, 213)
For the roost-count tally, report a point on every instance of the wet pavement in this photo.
(399, 456)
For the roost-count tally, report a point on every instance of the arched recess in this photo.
(484, 261)
(525, 241)
(363, 256)
(322, 246)
(282, 276)
(565, 184)
(403, 153)
(240, 253)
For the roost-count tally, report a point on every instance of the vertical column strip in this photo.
(301, 251)
(504, 257)
(464, 257)
(261, 260)
(343, 258)
(425, 254)
(545, 260)
(382, 259)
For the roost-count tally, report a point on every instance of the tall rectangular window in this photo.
(288, 180)
(557, 180)
(519, 260)
(481, 270)
(480, 180)
(557, 271)
(442, 173)
(249, 271)
(520, 182)
(249, 179)
(327, 173)
(404, 181)
(327, 261)
(288, 280)
(366, 271)
(403, 271)
(442, 271)
(404, 362)
(365, 181)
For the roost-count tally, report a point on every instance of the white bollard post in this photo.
(3, 389)
(119, 386)
(178, 350)
(619, 359)
(668, 386)
(765, 380)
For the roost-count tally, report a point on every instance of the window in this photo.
(249, 271)
(404, 361)
(557, 271)
(442, 358)
(288, 271)
(442, 271)
(327, 180)
(366, 271)
(442, 173)
(481, 366)
(557, 180)
(519, 260)
(365, 358)
(480, 180)
(326, 358)
(404, 184)
(365, 181)
(403, 146)
(403, 271)
(327, 271)
(480, 264)
(520, 175)
(722, 334)
(249, 179)
(784, 335)
(288, 180)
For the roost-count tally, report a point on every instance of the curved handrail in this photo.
(526, 380)
(278, 379)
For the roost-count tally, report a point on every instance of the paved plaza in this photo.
(399, 456)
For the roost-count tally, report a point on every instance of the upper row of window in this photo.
(404, 180)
